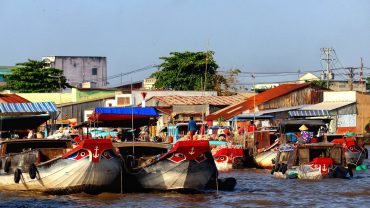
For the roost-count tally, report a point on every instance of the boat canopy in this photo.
(294, 124)
(122, 113)
(123, 116)
(27, 108)
(8, 123)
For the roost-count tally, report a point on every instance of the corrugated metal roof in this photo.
(327, 105)
(260, 113)
(263, 97)
(308, 113)
(199, 100)
(12, 98)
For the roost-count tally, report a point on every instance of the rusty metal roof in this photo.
(12, 98)
(261, 98)
(199, 100)
(164, 110)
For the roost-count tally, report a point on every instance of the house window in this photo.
(123, 101)
(94, 71)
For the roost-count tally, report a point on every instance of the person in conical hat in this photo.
(303, 128)
(305, 134)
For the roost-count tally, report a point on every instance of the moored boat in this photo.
(188, 165)
(52, 166)
(313, 161)
(354, 154)
(264, 159)
(229, 157)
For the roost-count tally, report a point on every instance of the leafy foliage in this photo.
(186, 71)
(35, 76)
(321, 83)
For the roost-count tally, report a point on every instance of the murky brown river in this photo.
(255, 188)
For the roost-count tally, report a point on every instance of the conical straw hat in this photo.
(303, 128)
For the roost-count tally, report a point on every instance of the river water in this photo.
(255, 188)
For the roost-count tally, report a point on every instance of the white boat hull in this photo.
(65, 176)
(264, 159)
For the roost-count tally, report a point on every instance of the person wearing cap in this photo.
(305, 134)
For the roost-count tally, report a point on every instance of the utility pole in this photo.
(362, 82)
(254, 99)
(351, 75)
(328, 59)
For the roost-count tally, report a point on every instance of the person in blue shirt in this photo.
(192, 127)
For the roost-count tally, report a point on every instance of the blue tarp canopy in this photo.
(136, 111)
(28, 108)
(309, 113)
(123, 116)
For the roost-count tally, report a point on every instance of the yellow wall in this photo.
(57, 98)
(363, 112)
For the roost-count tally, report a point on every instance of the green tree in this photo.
(367, 83)
(35, 76)
(186, 71)
(321, 83)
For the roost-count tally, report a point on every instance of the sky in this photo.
(254, 36)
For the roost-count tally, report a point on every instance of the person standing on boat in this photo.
(252, 127)
(192, 127)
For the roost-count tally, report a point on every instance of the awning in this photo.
(249, 117)
(27, 108)
(123, 116)
(8, 123)
(327, 106)
(123, 113)
(294, 124)
(308, 113)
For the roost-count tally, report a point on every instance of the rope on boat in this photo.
(217, 182)
(359, 157)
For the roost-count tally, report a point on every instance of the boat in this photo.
(354, 154)
(264, 158)
(227, 156)
(313, 161)
(187, 166)
(55, 167)
(261, 146)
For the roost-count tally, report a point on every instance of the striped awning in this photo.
(41, 107)
(308, 113)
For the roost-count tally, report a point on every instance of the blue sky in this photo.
(260, 36)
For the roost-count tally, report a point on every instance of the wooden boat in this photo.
(262, 146)
(313, 161)
(354, 154)
(52, 166)
(264, 159)
(187, 166)
(228, 157)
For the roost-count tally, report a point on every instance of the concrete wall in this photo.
(79, 69)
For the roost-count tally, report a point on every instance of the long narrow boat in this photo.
(52, 166)
(188, 165)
